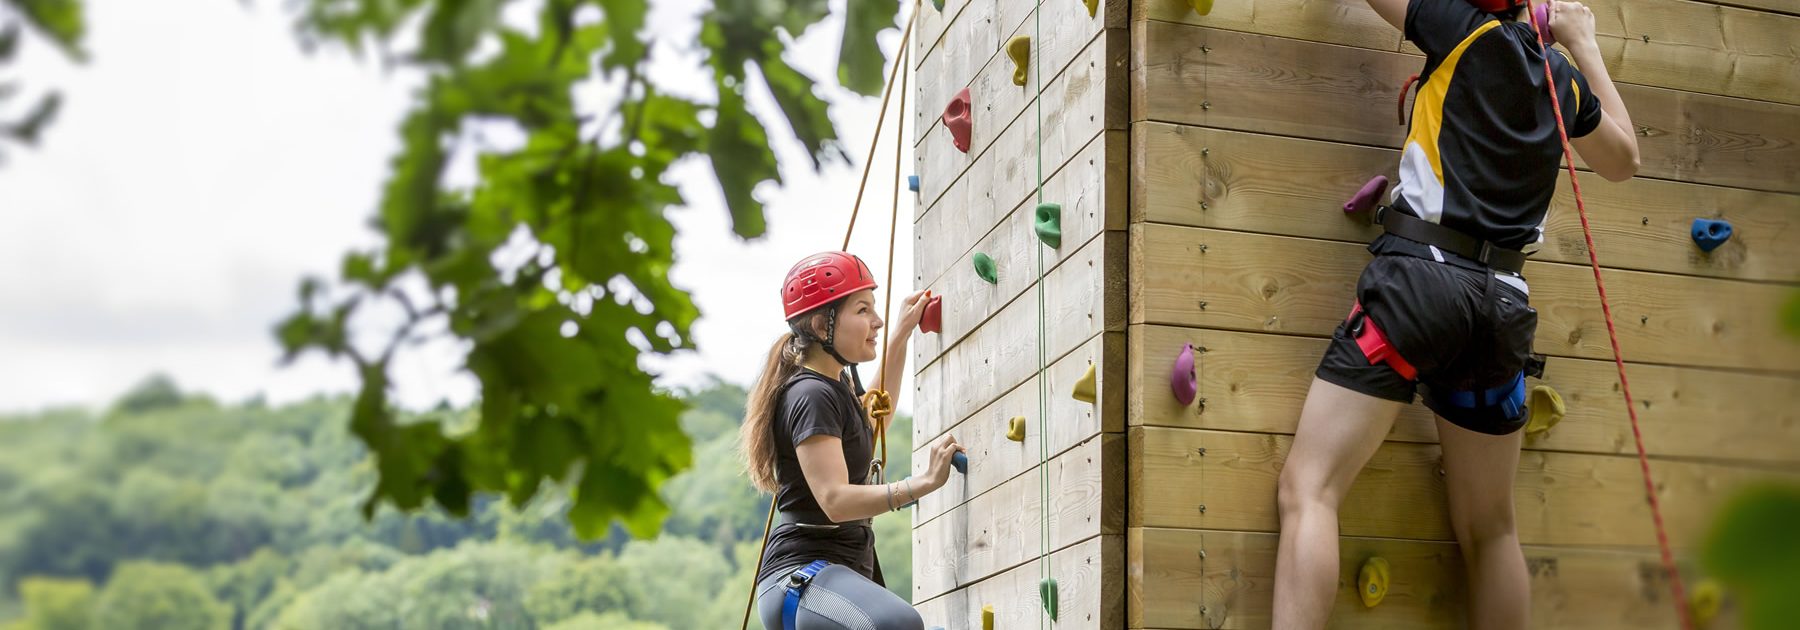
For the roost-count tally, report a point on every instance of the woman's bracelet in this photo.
(909, 490)
(890, 492)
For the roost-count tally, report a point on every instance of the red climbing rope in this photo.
(1662, 534)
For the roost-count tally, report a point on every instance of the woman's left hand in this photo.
(912, 310)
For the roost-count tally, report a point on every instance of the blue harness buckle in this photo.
(797, 583)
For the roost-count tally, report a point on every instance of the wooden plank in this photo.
(1004, 352)
(1296, 88)
(993, 459)
(1088, 577)
(1014, 246)
(1076, 107)
(989, 78)
(1256, 382)
(1256, 282)
(1675, 44)
(1790, 7)
(1559, 498)
(945, 242)
(969, 303)
(1232, 586)
(1272, 184)
(963, 29)
(1005, 528)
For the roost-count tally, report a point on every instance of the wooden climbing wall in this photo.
(1250, 126)
(1200, 162)
(982, 540)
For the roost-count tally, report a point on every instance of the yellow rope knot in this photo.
(879, 404)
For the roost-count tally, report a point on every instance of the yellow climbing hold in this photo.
(1201, 7)
(987, 617)
(1092, 6)
(1019, 49)
(1545, 408)
(1084, 388)
(1704, 604)
(1372, 583)
(1015, 429)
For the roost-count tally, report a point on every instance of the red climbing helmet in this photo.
(821, 279)
(1495, 6)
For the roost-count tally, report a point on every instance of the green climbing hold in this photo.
(984, 267)
(939, 4)
(1047, 592)
(1201, 7)
(1049, 224)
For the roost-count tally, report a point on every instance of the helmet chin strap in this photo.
(830, 346)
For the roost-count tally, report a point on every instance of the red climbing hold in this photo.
(933, 321)
(1369, 197)
(957, 118)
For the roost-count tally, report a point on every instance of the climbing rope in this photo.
(877, 401)
(1662, 534)
(1044, 569)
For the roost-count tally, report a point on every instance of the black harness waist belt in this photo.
(1416, 229)
(818, 520)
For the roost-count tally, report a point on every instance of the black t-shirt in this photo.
(1483, 151)
(816, 405)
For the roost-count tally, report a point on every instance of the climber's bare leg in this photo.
(1339, 430)
(1479, 470)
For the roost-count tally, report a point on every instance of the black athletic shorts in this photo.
(1461, 328)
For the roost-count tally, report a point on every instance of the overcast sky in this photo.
(203, 164)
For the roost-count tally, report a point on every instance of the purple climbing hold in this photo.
(1182, 378)
(1369, 196)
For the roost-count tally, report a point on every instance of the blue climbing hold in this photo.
(960, 462)
(1709, 234)
(912, 183)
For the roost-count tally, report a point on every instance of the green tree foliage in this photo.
(551, 269)
(60, 22)
(157, 595)
(55, 604)
(1754, 548)
(245, 516)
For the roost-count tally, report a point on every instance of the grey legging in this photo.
(838, 599)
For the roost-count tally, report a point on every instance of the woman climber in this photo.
(807, 440)
(1442, 308)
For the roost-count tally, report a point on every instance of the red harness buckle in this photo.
(1374, 343)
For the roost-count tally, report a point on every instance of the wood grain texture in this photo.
(1223, 79)
(1675, 44)
(1559, 498)
(1003, 353)
(1231, 587)
(1092, 202)
(969, 301)
(1288, 285)
(1077, 106)
(994, 460)
(1004, 528)
(1271, 184)
(1090, 577)
(1258, 382)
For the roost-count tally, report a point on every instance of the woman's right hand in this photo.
(938, 467)
(1572, 23)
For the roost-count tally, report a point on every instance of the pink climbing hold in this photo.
(957, 118)
(933, 320)
(1370, 195)
(1182, 379)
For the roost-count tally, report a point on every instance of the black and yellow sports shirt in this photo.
(1482, 154)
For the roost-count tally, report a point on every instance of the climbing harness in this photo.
(797, 583)
(1373, 342)
(1450, 240)
(1541, 24)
